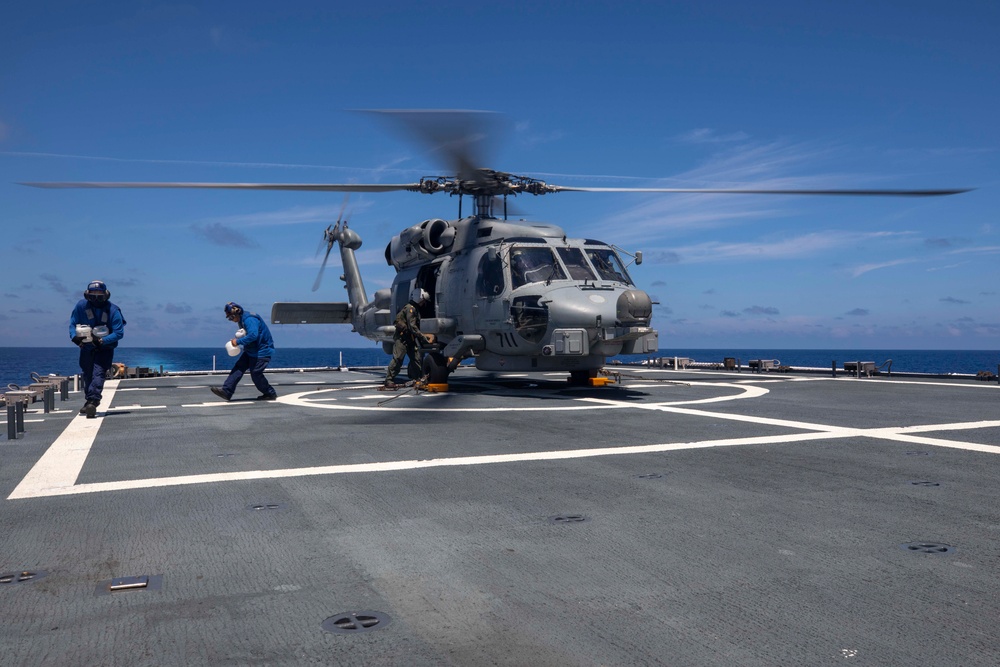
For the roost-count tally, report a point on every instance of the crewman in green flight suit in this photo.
(407, 339)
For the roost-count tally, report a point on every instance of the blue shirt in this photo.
(258, 341)
(107, 314)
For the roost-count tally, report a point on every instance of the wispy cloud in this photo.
(984, 250)
(954, 300)
(806, 245)
(528, 137)
(762, 310)
(55, 283)
(772, 166)
(865, 268)
(215, 163)
(295, 215)
(224, 235)
(704, 135)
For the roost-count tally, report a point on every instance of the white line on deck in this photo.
(62, 462)
(56, 472)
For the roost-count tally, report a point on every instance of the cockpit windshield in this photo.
(608, 265)
(533, 264)
(575, 264)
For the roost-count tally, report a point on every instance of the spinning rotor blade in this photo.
(329, 238)
(464, 138)
(322, 268)
(302, 187)
(742, 191)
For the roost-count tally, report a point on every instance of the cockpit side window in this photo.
(608, 265)
(533, 265)
(490, 280)
(575, 264)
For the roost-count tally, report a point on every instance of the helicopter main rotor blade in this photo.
(745, 191)
(301, 187)
(465, 138)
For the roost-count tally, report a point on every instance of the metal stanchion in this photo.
(833, 367)
(19, 415)
(11, 422)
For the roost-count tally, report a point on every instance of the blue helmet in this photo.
(233, 311)
(97, 292)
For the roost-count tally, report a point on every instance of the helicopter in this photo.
(511, 295)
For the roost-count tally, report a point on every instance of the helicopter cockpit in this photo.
(535, 264)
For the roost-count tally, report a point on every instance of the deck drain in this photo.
(568, 518)
(22, 577)
(122, 585)
(932, 548)
(650, 475)
(356, 621)
(264, 506)
(924, 482)
(918, 453)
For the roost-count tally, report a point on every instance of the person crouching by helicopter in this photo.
(95, 326)
(407, 339)
(258, 348)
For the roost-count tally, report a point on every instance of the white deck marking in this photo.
(306, 399)
(62, 462)
(138, 389)
(137, 407)
(56, 472)
(217, 404)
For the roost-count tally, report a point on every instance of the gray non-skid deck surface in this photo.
(763, 528)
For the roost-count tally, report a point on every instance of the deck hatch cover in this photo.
(119, 585)
(932, 548)
(22, 577)
(356, 621)
(128, 583)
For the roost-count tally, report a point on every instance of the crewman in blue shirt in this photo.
(96, 325)
(258, 348)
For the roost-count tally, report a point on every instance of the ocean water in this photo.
(18, 363)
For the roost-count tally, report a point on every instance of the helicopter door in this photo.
(491, 308)
(427, 280)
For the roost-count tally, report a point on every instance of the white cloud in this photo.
(704, 135)
(865, 268)
(796, 247)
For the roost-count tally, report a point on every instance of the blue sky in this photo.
(673, 94)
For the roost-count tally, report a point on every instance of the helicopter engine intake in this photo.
(420, 243)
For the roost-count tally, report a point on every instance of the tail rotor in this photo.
(329, 237)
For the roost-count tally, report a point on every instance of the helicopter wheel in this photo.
(581, 377)
(436, 368)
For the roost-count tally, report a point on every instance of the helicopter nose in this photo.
(634, 307)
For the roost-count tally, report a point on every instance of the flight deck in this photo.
(678, 517)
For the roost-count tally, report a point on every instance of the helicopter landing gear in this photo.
(589, 379)
(581, 378)
(436, 368)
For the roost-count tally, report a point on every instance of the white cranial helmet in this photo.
(418, 295)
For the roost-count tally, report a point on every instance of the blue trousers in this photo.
(95, 363)
(256, 366)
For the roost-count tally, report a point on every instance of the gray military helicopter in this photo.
(514, 296)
